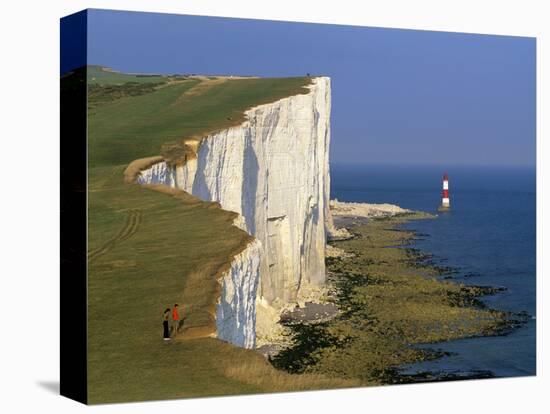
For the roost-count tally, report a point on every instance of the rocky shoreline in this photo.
(384, 298)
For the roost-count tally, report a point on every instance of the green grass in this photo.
(102, 94)
(97, 75)
(148, 250)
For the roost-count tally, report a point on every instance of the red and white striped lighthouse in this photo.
(445, 203)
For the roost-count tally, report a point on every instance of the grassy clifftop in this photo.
(137, 126)
(148, 249)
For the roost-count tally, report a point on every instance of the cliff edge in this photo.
(273, 171)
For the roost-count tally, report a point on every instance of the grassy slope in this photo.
(131, 283)
(149, 250)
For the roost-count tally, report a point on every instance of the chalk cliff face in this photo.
(236, 310)
(272, 170)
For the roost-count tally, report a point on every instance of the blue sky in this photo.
(398, 96)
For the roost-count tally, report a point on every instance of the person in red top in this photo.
(175, 319)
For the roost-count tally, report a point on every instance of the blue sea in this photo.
(489, 237)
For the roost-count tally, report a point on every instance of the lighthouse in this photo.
(445, 203)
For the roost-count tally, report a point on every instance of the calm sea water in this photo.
(489, 236)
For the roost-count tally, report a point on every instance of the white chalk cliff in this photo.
(236, 309)
(273, 170)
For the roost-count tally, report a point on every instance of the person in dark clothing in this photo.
(165, 325)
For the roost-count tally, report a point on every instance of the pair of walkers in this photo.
(175, 321)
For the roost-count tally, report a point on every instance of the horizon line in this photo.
(449, 165)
